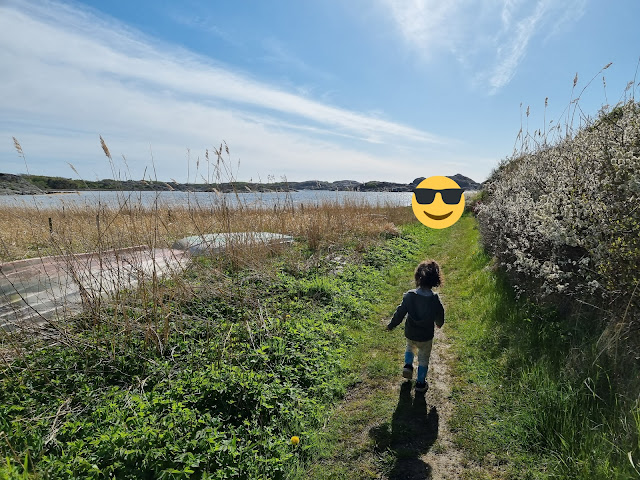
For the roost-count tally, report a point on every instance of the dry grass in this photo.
(35, 232)
(27, 232)
(32, 231)
(147, 311)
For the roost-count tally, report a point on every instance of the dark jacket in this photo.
(423, 308)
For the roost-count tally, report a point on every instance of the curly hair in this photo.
(428, 274)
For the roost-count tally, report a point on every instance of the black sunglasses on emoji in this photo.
(450, 196)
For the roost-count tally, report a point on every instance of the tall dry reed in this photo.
(145, 307)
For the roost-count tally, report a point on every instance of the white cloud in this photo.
(140, 64)
(427, 23)
(276, 52)
(204, 24)
(69, 68)
(512, 51)
(488, 37)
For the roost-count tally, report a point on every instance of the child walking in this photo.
(423, 309)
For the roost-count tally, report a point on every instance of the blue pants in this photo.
(424, 352)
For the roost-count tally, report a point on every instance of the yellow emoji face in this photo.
(438, 202)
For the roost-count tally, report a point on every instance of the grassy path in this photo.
(381, 429)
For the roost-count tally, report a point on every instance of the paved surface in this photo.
(41, 289)
(35, 290)
(214, 243)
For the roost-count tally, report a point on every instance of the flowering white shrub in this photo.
(564, 220)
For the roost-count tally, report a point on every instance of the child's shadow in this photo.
(412, 432)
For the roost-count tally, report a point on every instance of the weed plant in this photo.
(32, 231)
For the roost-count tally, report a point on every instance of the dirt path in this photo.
(420, 433)
(383, 430)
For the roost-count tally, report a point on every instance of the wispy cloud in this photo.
(203, 23)
(71, 67)
(117, 55)
(427, 23)
(279, 54)
(517, 35)
(489, 38)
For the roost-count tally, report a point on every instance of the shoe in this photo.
(422, 387)
(407, 371)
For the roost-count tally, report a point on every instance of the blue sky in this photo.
(317, 89)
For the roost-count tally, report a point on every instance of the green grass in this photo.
(530, 392)
(274, 352)
(528, 400)
(256, 359)
(355, 443)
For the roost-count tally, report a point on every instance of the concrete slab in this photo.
(36, 290)
(40, 289)
(212, 243)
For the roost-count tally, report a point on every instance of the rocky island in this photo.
(39, 184)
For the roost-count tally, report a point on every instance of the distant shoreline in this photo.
(44, 185)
